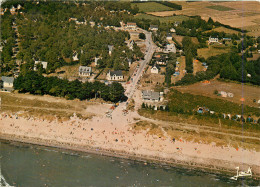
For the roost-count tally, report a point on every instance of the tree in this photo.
(142, 36)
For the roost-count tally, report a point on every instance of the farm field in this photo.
(212, 51)
(151, 7)
(162, 19)
(244, 14)
(220, 8)
(249, 93)
(226, 30)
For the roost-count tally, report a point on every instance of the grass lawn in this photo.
(212, 51)
(220, 8)
(151, 7)
(163, 19)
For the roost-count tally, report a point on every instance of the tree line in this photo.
(37, 84)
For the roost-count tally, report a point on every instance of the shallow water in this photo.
(33, 166)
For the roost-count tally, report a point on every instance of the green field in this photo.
(151, 7)
(162, 19)
(220, 8)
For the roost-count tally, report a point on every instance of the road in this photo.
(150, 48)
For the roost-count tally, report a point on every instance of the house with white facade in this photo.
(13, 10)
(172, 30)
(170, 48)
(153, 28)
(110, 49)
(7, 83)
(148, 95)
(169, 36)
(44, 65)
(131, 25)
(213, 40)
(115, 75)
(155, 69)
(85, 71)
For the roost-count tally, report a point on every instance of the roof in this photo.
(169, 35)
(110, 47)
(147, 94)
(131, 23)
(85, 69)
(7, 79)
(116, 73)
(153, 26)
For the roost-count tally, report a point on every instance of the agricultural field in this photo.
(244, 14)
(151, 7)
(249, 93)
(212, 51)
(220, 8)
(162, 19)
(223, 29)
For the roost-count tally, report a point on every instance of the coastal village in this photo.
(124, 82)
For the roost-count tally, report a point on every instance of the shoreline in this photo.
(220, 169)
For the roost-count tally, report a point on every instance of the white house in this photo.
(85, 71)
(213, 40)
(131, 25)
(115, 75)
(12, 10)
(169, 36)
(75, 57)
(223, 94)
(230, 94)
(153, 27)
(172, 30)
(8, 82)
(96, 61)
(19, 7)
(110, 49)
(129, 60)
(92, 23)
(170, 48)
(44, 64)
(148, 95)
(155, 69)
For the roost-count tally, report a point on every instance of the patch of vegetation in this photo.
(171, 4)
(220, 8)
(37, 84)
(166, 19)
(151, 7)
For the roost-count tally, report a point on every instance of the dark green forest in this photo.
(37, 84)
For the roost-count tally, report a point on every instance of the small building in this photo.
(230, 94)
(131, 25)
(75, 57)
(213, 40)
(177, 23)
(110, 49)
(85, 71)
(92, 23)
(172, 30)
(155, 69)
(13, 10)
(169, 36)
(223, 94)
(19, 7)
(96, 61)
(153, 28)
(115, 75)
(8, 83)
(148, 95)
(44, 64)
(170, 48)
(129, 60)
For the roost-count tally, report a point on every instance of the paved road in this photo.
(150, 48)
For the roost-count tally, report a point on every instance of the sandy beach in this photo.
(115, 137)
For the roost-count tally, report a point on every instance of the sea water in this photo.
(32, 166)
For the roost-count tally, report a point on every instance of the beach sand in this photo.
(115, 137)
